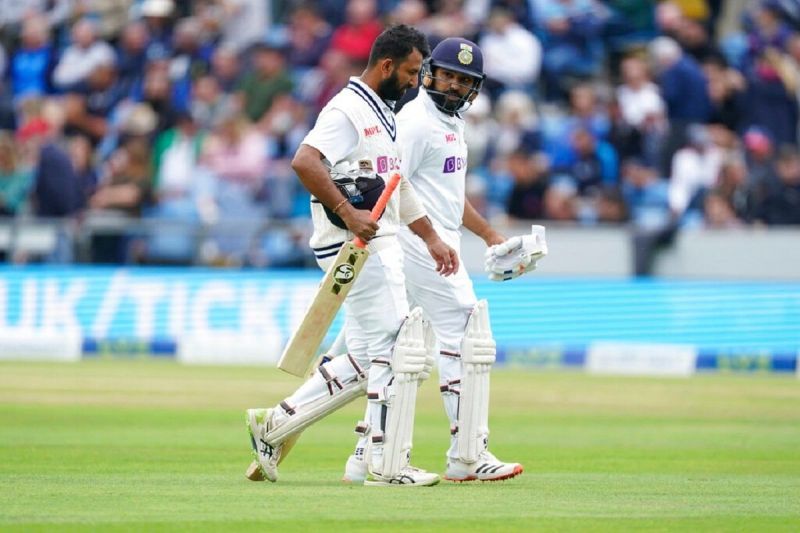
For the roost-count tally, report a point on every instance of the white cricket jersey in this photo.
(433, 156)
(373, 121)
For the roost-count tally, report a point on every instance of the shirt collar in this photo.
(387, 106)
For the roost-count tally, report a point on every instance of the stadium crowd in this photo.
(186, 114)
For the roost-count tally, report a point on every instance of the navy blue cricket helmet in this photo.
(457, 55)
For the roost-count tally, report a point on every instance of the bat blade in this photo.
(302, 348)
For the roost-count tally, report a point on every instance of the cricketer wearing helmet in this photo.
(343, 162)
(434, 158)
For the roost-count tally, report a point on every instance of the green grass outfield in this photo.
(151, 445)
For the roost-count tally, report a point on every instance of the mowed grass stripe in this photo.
(154, 445)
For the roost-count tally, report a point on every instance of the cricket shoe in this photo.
(355, 470)
(486, 468)
(267, 456)
(407, 477)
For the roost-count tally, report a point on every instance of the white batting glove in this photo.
(516, 256)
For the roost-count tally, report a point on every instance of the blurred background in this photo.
(656, 140)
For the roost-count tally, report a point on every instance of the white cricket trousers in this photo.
(447, 302)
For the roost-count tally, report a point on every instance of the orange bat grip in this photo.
(380, 205)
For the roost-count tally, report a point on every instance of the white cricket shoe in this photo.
(267, 457)
(486, 468)
(407, 477)
(355, 470)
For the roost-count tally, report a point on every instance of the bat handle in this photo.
(380, 205)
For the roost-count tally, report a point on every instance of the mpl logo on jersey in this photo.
(454, 164)
(372, 130)
(387, 164)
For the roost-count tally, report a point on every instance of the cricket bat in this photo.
(302, 348)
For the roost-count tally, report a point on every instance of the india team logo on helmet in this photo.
(462, 57)
(465, 56)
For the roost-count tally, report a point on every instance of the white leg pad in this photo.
(478, 352)
(411, 362)
(340, 381)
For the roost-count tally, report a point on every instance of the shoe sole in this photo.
(249, 422)
(514, 473)
(368, 483)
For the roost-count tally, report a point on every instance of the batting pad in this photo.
(337, 383)
(478, 352)
(410, 361)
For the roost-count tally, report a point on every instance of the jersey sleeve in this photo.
(334, 135)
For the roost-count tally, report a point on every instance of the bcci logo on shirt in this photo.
(454, 164)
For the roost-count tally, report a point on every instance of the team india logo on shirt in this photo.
(454, 164)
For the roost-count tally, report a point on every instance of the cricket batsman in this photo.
(433, 157)
(344, 162)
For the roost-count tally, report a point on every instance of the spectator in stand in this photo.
(782, 205)
(323, 82)
(82, 56)
(682, 82)
(693, 36)
(770, 31)
(726, 91)
(81, 155)
(412, 13)
(208, 103)
(32, 64)
(268, 80)
(7, 121)
(88, 111)
(718, 213)
(449, 18)
(181, 190)
(732, 187)
(585, 112)
(126, 181)
(760, 159)
(684, 89)
(235, 154)
(157, 94)
(132, 57)
(245, 22)
(643, 109)
(640, 101)
(191, 59)
(626, 140)
(123, 190)
(157, 16)
(517, 125)
(770, 100)
(593, 164)
(361, 28)
(610, 207)
(694, 169)
(572, 35)
(529, 174)
(226, 69)
(309, 36)
(16, 178)
(110, 16)
(56, 187)
(646, 195)
(561, 200)
(513, 55)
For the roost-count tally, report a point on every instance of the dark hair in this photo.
(397, 43)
